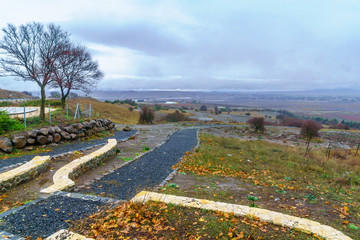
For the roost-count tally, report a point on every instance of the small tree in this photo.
(176, 117)
(74, 69)
(146, 115)
(258, 123)
(309, 130)
(216, 110)
(203, 108)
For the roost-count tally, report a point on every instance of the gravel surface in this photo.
(148, 171)
(74, 145)
(48, 216)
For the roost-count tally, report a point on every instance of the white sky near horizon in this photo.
(210, 45)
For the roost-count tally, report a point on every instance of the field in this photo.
(278, 175)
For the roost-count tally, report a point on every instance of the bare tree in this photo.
(28, 53)
(75, 69)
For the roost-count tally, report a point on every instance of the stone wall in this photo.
(23, 173)
(63, 177)
(53, 135)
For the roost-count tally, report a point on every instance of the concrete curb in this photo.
(62, 177)
(65, 234)
(300, 224)
(23, 173)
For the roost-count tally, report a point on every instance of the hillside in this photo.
(116, 113)
(12, 94)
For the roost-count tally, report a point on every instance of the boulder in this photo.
(57, 129)
(29, 148)
(93, 124)
(70, 129)
(126, 129)
(33, 133)
(41, 139)
(44, 131)
(107, 122)
(30, 141)
(57, 137)
(81, 134)
(65, 135)
(50, 139)
(6, 145)
(51, 130)
(73, 136)
(19, 141)
(86, 125)
(112, 125)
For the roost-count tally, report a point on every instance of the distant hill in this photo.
(12, 94)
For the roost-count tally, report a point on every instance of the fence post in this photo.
(90, 110)
(67, 113)
(85, 110)
(76, 111)
(24, 117)
(49, 115)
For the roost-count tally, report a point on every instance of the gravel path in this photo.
(48, 216)
(148, 171)
(75, 145)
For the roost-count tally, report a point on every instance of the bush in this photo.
(146, 115)
(176, 117)
(292, 122)
(258, 123)
(310, 129)
(203, 108)
(341, 126)
(8, 124)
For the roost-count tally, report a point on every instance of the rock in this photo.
(53, 144)
(81, 134)
(107, 122)
(19, 141)
(112, 125)
(95, 130)
(126, 129)
(44, 131)
(57, 129)
(70, 129)
(51, 130)
(86, 125)
(29, 148)
(57, 137)
(41, 139)
(33, 133)
(30, 141)
(65, 135)
(6, 145)
(93, 124)
(73, 136)
(50, 139)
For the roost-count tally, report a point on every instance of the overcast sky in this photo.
(241, 45)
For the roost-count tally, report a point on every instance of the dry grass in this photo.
(173, 110)
(115, 113)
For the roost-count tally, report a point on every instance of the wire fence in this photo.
(24, 113)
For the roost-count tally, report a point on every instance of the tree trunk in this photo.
(42, 106)
(63, 98)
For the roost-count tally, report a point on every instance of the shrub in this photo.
(8, 124)
(341, 126)
(176, 117)
(292, 122)
(310, 129)
(258, 123)
(146, 115)
(203, 108)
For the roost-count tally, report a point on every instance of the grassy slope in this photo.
(116, 113)
(6, 94)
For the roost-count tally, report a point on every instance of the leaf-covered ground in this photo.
(279, 176)
(166, 221)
